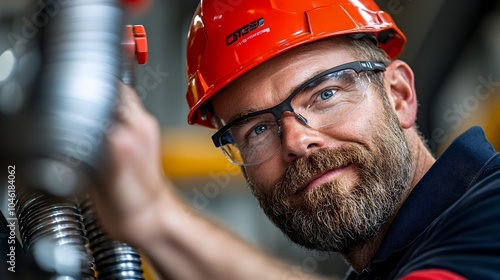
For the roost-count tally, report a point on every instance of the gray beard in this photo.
(330, 218)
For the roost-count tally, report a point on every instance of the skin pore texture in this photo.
(336, 188)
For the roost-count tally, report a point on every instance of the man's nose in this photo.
(297, 138)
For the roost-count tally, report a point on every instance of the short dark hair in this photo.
(364, 47)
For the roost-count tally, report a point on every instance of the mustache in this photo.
(302, 170)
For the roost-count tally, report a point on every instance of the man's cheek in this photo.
(263, 178)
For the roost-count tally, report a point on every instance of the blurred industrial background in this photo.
(453, 47)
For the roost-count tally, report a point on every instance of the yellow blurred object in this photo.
(148, 271)
(492, 123)
(487, 115)
(188, 152)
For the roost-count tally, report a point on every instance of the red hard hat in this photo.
(229, 37)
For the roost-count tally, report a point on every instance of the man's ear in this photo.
(399, 82)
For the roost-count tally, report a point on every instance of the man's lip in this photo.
(318, 178)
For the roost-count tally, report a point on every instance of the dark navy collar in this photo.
(446, 181)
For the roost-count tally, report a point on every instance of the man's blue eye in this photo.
(260, 129)
(327, 94)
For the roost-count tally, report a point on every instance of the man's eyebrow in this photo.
(244, 113)
(253, 110)
(307, 80)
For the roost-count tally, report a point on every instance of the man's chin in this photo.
(324, 218)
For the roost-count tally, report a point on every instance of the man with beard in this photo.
(321, 117)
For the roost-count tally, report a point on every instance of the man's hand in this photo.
(136, 193)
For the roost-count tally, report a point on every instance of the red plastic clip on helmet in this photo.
(229, 37)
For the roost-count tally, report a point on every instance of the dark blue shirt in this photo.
(451, 219)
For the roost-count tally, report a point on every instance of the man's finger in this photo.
(128, 106)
